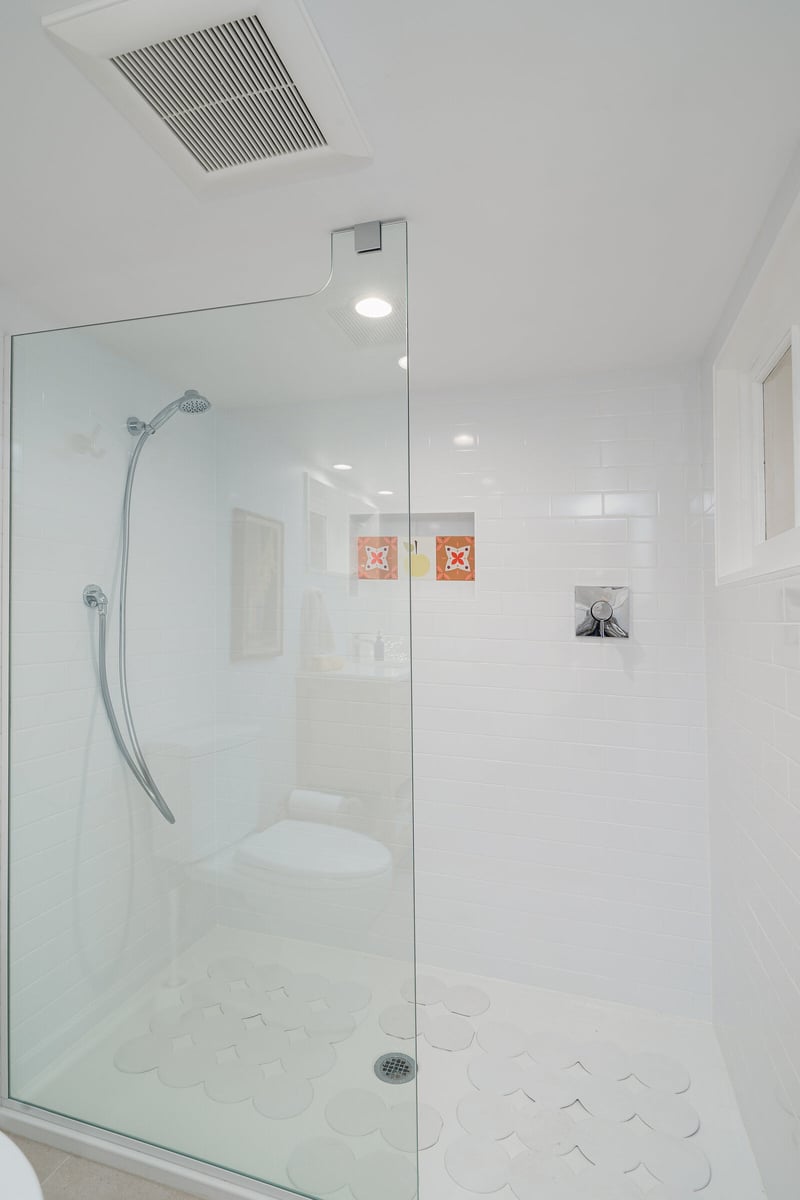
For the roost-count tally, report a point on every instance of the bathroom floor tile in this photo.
(79, 1179)
(43, 1159)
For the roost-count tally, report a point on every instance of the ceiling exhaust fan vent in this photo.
(225, 93)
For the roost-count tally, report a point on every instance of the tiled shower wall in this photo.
(89, 901)
(753, 636)
(561, 815)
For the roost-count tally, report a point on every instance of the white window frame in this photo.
(767, 326)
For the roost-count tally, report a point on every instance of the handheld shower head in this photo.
(190, 402)
(193, 402)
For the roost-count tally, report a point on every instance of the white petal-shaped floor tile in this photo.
(205, 992)
(331, 1025)
(399, 1127)
(449, 1033)
(609, 1144)
(356, 1112)
(536, 1177)
(659, 1072)
(260, 1046)
(306, 987)
(477, 1164)
(675, 1161)
(320, 1165)
(429, 1125)
(502, 1076)
(486, 1115)
(385, 1174)
(243, 1002)
(503, 1039)
(310, 1058)
(429, 990)
(398, 1021)
(187, 1068)
(662, 1192)
(230, 1082)
(466, 1001)
(667, 1113)
(601, 1184)
(550, 1089)
(216, 1033)
(407, 1128)
(267, 977)
(549, 1050)
(605, 1060)
(548, 1133)
(285, 1013)
(169, 1022)
(280, 1097)
(602, 1098)
(143, 1054)
(348, 997)
(230, 969)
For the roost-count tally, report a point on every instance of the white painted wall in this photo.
(561, 817)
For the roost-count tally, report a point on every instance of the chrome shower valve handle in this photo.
(601, 612)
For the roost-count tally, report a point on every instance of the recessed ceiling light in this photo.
(403, 362)
(465, 441)
(385, 493)
(342, 467)
(373, 306)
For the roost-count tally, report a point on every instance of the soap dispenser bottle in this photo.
(379, 648)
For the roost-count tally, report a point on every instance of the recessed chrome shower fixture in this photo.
(602, 612)
(95, 598)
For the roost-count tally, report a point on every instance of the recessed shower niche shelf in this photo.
(433, 549)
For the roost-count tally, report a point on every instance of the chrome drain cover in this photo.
(395, 1068)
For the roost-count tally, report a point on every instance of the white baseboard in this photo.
(146, 1162)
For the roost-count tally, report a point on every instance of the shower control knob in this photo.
(601, 610)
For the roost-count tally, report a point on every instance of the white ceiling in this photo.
(582, 179)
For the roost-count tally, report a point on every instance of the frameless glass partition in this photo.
(211, 916)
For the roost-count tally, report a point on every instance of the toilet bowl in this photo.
(18, 1178)
(305, 877)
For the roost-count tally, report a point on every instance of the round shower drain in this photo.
(395, 1068)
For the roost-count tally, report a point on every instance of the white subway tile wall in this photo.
(561, 805)
(753, 636)
(88, 900)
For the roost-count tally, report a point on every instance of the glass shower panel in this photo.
(217, 986)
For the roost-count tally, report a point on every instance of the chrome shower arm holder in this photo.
(95, 597)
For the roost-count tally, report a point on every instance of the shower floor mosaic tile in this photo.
(258, 1054)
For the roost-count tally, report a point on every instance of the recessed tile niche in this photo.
(436, 549)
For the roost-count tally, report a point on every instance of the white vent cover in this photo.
(225, 93)
(222, 94)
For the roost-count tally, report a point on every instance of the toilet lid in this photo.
(306, 848)
(17, 1174)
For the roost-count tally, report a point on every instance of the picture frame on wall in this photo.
(256, 586)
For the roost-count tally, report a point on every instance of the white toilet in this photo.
(301, 875)
(18, 1178)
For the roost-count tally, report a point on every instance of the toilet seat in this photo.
(17, 1174)
(313, 854)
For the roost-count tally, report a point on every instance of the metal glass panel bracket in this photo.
(602, 612)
